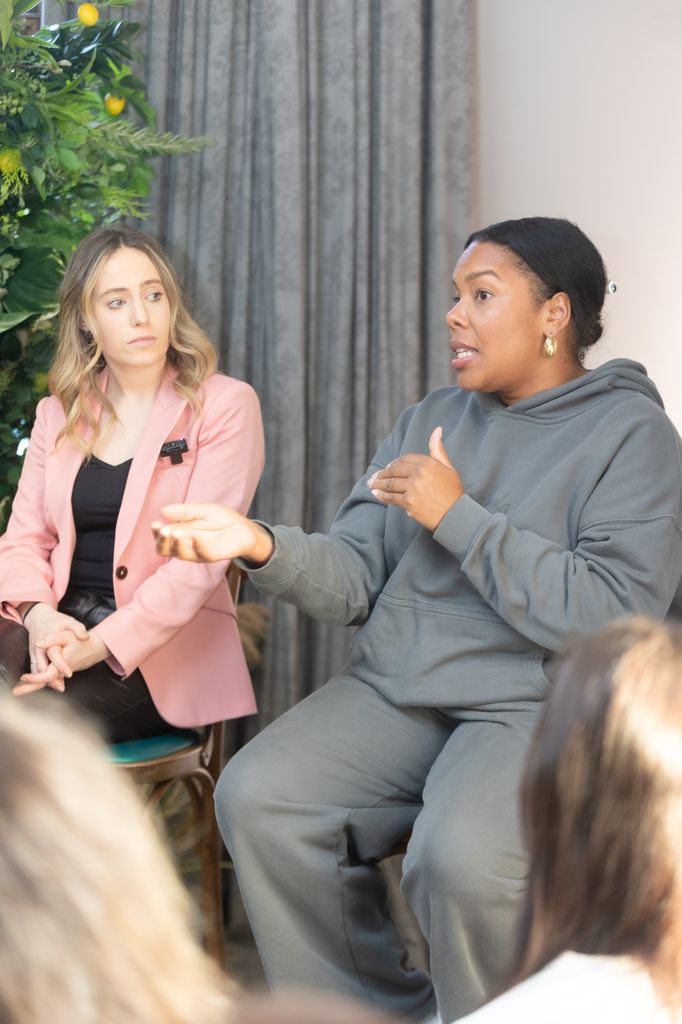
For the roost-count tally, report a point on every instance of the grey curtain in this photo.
(317, 234)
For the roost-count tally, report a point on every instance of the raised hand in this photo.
(425, 486)
(210, 533)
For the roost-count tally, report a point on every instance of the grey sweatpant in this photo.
(310, 805)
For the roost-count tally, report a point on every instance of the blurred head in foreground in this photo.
(94, 925)
(602, 805)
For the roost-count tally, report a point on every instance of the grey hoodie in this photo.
(571, 518)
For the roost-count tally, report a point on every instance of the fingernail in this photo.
(375, 494)
(370, 482)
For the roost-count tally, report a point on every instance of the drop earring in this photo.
(550, 346)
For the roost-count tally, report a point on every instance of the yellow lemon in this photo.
(114, 104)
(88, 14)
(10, 160)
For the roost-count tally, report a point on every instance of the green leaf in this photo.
(8, 320)
(13, 474)
(48, 229)
(90, 191)
(68, 159)
(21, 6)
(132, 138)
(33, 285)
(40, 46)
(6, 12)
(38, 176)
(29, 116)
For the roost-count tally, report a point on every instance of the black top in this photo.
(96, 501)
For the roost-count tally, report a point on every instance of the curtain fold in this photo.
(316, 236)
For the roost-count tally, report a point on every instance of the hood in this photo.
(568, 399)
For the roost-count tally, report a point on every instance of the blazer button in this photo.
(121, 572)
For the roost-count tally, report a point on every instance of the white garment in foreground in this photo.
(579, 989)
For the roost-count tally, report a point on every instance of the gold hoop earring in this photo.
(550, 346)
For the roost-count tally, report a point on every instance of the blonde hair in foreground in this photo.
(94, 925)
(78, 361)
(602, 805)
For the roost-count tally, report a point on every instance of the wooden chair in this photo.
(193, 760)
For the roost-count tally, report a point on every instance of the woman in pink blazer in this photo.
(137, 419)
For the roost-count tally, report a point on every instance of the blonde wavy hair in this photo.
(79, 359)
(94, 924)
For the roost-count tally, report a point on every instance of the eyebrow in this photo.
(124, 288)
(480, 273)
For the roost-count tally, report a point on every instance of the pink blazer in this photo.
(175, 621)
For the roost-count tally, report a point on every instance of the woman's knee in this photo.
(466, 860)
(240, 786)
(253, 784)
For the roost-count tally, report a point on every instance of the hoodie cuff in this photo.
(275, 575)
(461, 525)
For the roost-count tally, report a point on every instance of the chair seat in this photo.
(149, 749)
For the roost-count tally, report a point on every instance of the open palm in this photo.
(209, 533)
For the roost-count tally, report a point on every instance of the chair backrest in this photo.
(216, 736)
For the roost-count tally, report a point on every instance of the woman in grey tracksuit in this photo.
(533, 502)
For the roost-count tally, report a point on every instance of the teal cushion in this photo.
(153, 746)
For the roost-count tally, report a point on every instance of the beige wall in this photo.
(580, 116)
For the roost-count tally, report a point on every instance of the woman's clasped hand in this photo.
(59, 645)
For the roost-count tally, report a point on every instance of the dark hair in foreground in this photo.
(602, 807)
(560, 258)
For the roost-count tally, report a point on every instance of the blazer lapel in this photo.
(61, 468)
(168, 408)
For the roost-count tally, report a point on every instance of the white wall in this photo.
(580, 116)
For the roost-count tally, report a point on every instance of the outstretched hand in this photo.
(210, 533)
(425, 486)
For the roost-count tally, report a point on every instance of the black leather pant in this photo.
(123, 708)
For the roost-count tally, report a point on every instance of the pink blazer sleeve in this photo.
(159, 596)
(26, 546)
